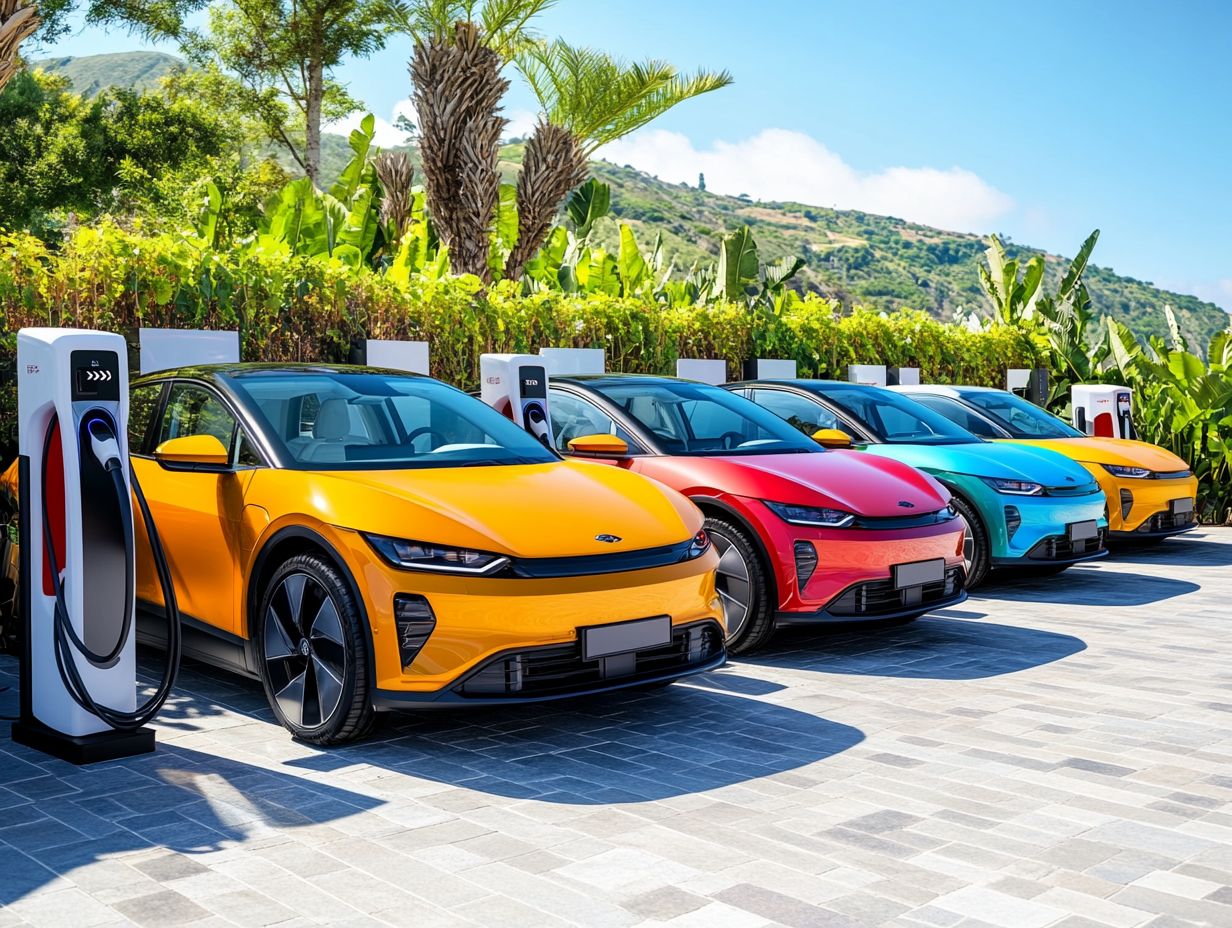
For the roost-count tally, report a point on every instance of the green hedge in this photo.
(311, 309)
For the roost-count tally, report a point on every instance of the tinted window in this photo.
(1022, 418)
(959, 414)
(894, 418)
(694, 418)
(142, 407)
(194, 410)
(573, 417)
(325, 420)
(797, 411)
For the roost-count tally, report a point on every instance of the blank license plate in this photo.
(1083, 531)
(1182, 507)
(918, 573)
(623, 637)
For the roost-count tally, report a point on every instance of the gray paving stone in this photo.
(1052, 754)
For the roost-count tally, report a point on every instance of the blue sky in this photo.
(1039, 120)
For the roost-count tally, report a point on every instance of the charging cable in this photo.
(106, 449)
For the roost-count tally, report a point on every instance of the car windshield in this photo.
(894, 419)
(698, 419)
(1021, 418)
(337, 420)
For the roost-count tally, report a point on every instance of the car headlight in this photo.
(418, 555)
(700, 545)
(1138, 473)
(1015, 487)
(809, 515)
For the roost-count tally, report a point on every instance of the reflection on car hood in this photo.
(847, 480)
(1117, 451)
(534, 510)
(1000, 460)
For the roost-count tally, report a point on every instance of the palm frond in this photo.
(504, 25)
(600, 98)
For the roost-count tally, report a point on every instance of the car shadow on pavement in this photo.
(930, 648)
(55, 817)
(1085, 586)
(622, 747)
(1194, 549)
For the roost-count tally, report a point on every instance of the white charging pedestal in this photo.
(517, 386)
(1103, 410)
(75, 376)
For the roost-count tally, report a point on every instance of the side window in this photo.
(801, 413)
(193, 410)
(958, 414)
(573, 417)
(142, 405)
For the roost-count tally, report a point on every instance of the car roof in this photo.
(792, 382)
(606, 379)
(243, 368)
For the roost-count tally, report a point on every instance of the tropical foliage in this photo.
(1181, 401)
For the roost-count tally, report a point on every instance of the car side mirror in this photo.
(193, 452)
(599, 446)
(832, 438)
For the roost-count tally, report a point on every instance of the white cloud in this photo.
(521, 124)
(385, 135)
(782, 164)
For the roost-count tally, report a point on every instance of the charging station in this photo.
(77, 551)
(517, 386)
(1103, 410)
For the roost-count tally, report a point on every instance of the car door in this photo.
(198, 514)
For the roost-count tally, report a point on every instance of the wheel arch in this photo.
(714, 507)
(280, 547)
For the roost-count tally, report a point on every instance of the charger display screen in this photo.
(96, 375)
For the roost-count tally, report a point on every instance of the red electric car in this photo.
(805, 534)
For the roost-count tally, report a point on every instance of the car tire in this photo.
(741, 584)
(312, 653)
(976, 549)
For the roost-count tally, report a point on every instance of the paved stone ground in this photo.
(1056, 752)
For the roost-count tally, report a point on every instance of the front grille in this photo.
(1085, 490)
(888, 523)
(559, 670)
(1060, 548)
(589, 564)
(879, 597)
(1165, 522)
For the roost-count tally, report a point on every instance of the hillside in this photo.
(852, 256)
(89, 74)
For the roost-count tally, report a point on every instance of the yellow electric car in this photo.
(364, 540)
(1150, 491)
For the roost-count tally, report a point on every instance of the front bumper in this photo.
(1021, 529)
(1141, 509)
(1160, 525)
(479, 619)
(847, 558)
(546, 673)
(878, 600)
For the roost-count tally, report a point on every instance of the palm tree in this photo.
(587, 99)
(461, 47)
(18, 21)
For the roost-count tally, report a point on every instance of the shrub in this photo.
(305, 308)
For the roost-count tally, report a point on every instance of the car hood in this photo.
(845, 480)
(536, 510)
(1118, 451)
(1000, 460)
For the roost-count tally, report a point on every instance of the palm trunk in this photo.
(552, 165)
(312, 119)
(458, 89)
(18, 21)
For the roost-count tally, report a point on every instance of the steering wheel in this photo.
(426, 430)
(729, 440)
